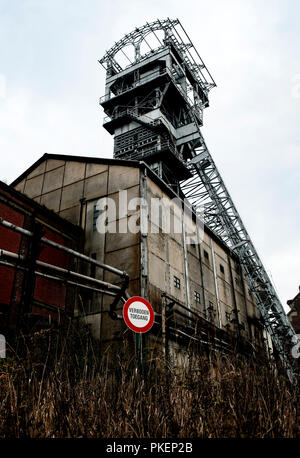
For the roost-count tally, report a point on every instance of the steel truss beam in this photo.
(207, 188)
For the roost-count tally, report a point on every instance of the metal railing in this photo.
(198, 111)
(139, 155)
(66, 275)
(179, 321)
(139, 82)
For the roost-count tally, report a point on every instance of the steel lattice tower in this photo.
(154, 109)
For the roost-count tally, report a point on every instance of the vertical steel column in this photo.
(144, 251)
(246, 305)
(31, 259)
(201, 273)
(186, 270)
(163, 328)
(216, 282)
(234, 298)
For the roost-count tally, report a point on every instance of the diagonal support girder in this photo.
(224, 219)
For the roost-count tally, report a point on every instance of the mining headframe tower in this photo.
(157, 88)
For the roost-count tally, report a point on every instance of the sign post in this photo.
(139, 317)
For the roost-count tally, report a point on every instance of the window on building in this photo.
(96, 213)
(206, 254)
(210, 306)
(222, 269)
(193, 244)
(197, 296)
(176, 282)
(227, 316)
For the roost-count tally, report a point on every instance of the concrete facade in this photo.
(204, 277)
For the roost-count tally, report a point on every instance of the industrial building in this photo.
(27, 298)
(206, 278)
(294, 313)
(211, 287)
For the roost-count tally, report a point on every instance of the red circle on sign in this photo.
(127, 319)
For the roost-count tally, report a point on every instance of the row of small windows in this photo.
(222, 269)
(177, 282)
(211, 307)
(96, 213)
(206, 255)
(236, 264)
(196, 293)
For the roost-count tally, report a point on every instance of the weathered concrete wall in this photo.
(210, 279)
(217, 289)
(72, 189)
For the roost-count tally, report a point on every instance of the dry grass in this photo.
(63, 388)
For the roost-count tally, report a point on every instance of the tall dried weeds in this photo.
(61, 384)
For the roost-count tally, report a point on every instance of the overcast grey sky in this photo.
(50, 83)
